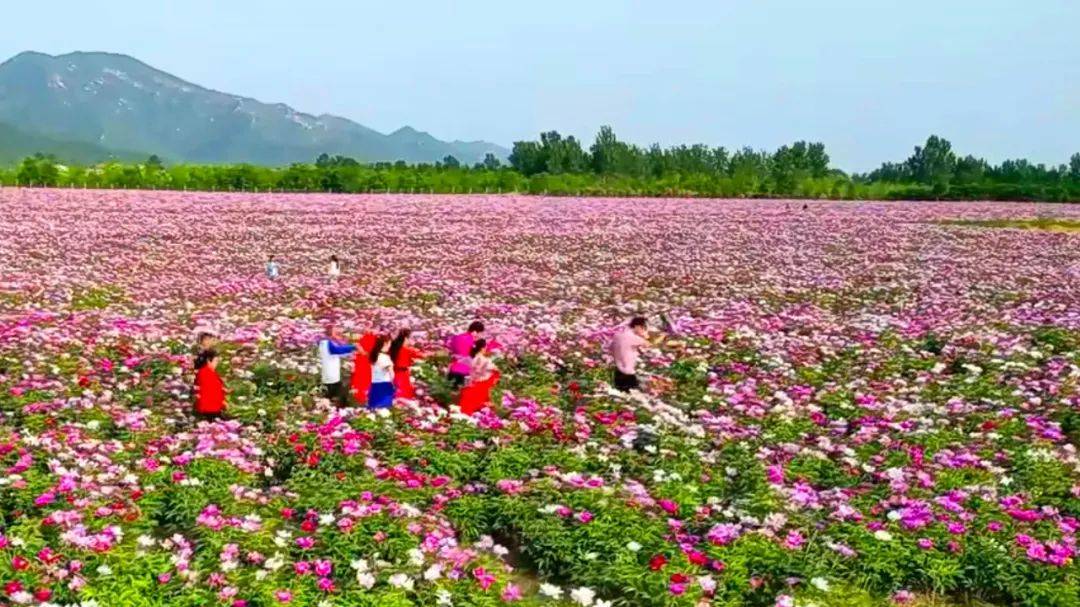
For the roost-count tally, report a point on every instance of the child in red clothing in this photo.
(404, 356)
(209, 389)
(483, 376)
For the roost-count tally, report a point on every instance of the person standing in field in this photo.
(360, 382)
(334, 270)
(209, 389)
(404, 356)
(331, 348)
(483, 376)
(460, 347)
(272, 269)
(381, 393)
(625, 350)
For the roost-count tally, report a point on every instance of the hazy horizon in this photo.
(998, 79)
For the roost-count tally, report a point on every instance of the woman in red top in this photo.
(482, 378)
(209, 389)
(361, 375)
(404, 356)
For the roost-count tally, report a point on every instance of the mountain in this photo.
(119, 103)
(16, 145)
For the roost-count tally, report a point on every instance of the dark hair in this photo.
(477, 347)
(373, 355)
(399, 343)
(333, 258)
(204, 358)
(637, 321)
(205, 335)
(476, 327)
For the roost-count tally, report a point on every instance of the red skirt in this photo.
(477, 395)
(403, 383)
(360, 382)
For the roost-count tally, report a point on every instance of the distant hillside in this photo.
(16, 145)
(119, 103)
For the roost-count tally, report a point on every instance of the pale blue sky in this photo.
(870, 78)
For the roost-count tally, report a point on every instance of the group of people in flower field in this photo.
(382, 363)
(382, 367)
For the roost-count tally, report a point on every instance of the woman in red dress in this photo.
(483, 376)
(209, 389)
(361, 375)
(404, 356)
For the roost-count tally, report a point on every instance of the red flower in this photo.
(308, 526)
(697, 558)
(12, 587)
(657, 562)
(18, 563)
(43, 594)
(679, 578)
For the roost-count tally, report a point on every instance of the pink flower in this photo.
(283, 596)
(584, 516)
(669, 506)
(511, 593)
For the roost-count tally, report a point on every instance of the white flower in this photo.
(365, 579)
(433, 573)
(551, 590)
(820, 583)
(416, 557)
(583, 596)
(633, 546)
(359, 565)
(443, 597)
(883, 535)
(401, 580)
(104, 570)
(602, 603)
(145, 541)
(261, 574)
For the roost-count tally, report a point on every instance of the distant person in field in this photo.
(209, 389)
(483, 375)
(360, 383)
(381, 393)
(334, 270)
(272, 268)
(625, 350)
(460, 347)
(404, 356)
(331, 348)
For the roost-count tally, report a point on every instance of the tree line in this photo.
(558, 165)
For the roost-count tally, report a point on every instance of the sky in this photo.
(869, 78)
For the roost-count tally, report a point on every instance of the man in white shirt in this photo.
(331, 348)
(625, 350)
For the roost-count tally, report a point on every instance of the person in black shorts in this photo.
(625, 350)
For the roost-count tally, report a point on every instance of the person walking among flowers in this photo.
(625, 351)
(332, 347)
(381, 393)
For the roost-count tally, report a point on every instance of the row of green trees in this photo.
(560, 165)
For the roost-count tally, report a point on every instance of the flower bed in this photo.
(857, 405)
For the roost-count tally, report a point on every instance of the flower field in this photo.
(856, 404)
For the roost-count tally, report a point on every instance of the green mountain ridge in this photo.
(117, 102)
(16, 144)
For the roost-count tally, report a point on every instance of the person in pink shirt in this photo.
(625, 350)
(460, 347)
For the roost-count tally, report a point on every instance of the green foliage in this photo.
(560, 166)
